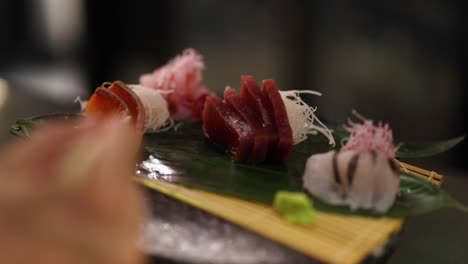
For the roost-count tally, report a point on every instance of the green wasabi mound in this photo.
(294, 207)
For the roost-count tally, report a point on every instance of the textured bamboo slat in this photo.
(431, 176)
(332, 238)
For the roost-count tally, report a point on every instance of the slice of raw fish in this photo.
(361, 190)
(386, 183)
(358, 179)
(135, 106)
(261, 136)
(224, 127)
(341, 163)
(104, 102)
(319, 180)
(276, 109)
(252, 96)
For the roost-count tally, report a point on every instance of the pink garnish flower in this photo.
(181, 80)
(367, 137)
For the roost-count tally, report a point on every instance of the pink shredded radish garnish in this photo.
(366, 137)
(183, 76)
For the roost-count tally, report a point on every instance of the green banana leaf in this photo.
(185, 157)
(422, 150)
(411, 150)
(22, 127)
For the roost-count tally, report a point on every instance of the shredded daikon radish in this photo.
(157, 116)
(366, 136)
(302, 118)
(82, 103)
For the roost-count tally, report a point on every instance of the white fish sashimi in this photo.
(319, 181)
(358, 179)
(342, 163)
(386, 188)
(361, 191)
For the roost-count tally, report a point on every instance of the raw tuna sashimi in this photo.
(262, 136)
(252, 96)
(225, 128)
(263, 112)
(276, 109)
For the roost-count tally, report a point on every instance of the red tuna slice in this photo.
(261, 136)
(275, 107)
(252, 96)
(225, 128)
(233, 100)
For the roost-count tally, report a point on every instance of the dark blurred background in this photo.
(403, 62)
(398, 61)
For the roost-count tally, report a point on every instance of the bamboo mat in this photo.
(332, 238)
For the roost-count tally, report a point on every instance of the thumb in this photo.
(95, 181)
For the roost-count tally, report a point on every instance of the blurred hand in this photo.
(66, 195)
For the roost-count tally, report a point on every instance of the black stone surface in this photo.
(179, 233)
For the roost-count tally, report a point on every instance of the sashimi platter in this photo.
(259, 156)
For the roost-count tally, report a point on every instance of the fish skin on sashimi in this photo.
(104, 102)
(224, 127)
(135, 106)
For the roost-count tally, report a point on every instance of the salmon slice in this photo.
(261, 136)
(135, 106)
(224, 127)
(276, 109)
(105, 102)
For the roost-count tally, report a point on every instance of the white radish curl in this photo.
(157, 116)
(302, 118)
(82, 103)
